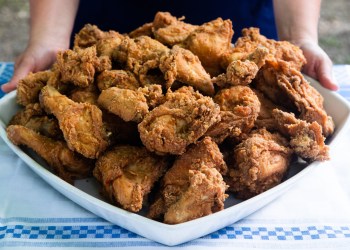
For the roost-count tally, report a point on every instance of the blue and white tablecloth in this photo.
(314, 214)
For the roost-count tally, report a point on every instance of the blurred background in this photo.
(334, 29)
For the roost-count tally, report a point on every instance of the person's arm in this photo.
(51, 24)
(297, 22)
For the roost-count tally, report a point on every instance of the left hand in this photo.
(319, 65)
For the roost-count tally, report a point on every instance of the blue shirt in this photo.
(125, 16)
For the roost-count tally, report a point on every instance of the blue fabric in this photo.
(125, 16)
(64, 229)
(6, 71)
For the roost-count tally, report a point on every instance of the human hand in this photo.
(319, 65)
(36, 57)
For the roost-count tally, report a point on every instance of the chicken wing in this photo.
(67, 164)
(81, 123)
(181, 120)
(127, 175)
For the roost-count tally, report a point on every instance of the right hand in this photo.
(36, 57)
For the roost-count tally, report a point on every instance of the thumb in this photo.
(325, 77)
(23, 67)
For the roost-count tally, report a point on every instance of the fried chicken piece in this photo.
(306, 139)
(144, 30)
(117, 78)
(237, 73)
(81, 123)
(89, 94)
(193, 174)
(170, 30)
(181, 120)
(91, 35)
(259, 163)
(140, 54)
(239, 109)
(153, 94)
(205, 195)
(108, 43)
(242, 72)
(29, 87)
(67, 164)
(251, 39)
(127, 174)
(88, 36)
(209, 42)
(182, 65)
(287, 87)
(130, 105)
(34, 118)
(78, 66)
(265, 118)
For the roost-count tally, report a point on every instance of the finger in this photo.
(325, 76)
(25, 66)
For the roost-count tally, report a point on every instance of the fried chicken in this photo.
(130, 105)
(144, 30)
(193, 186)
(127, 174)
(108, 43)
(117, 78)
(306, 139)
(287, 87)
(29, 87)
(170, 30)
(259, 163)
(88, 36)
(209, 42)
(237, 73)
(182, 65)
(67, 164)
(205, 195)
(34, 118)
(243, 71)
(139, 54)
(239, 108)
(265, 118)
(181, 120)
(78, 66)
(251, 39)
(81, 123)
(89, 94)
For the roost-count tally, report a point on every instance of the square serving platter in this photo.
(86, 192)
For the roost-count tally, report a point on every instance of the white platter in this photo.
(85, 192)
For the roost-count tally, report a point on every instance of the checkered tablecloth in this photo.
(314, 214)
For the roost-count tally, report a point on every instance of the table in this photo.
(314, 214)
